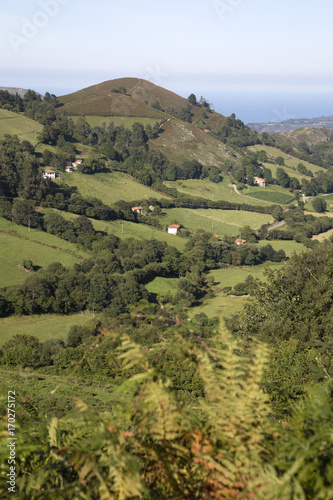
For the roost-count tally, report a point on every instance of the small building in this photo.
(173, 229)
(259, 181)
(239, 241)
(206, 130)
(69, 169)
(50, 174)
(151, 208)
(138, 210)
(76, 163)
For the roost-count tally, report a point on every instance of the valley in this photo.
(108, 322)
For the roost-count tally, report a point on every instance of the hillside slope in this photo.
(140, 95)
(181, 141)
(18, 124)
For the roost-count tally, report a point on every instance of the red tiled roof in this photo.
(259, 179)
(174, 226)
(137, 208)
(48, 171)
(240, 241)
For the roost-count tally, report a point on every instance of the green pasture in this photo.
(226, 305)
(126, 229)
(214, 191)
(44, 326)
(220, 222)
(232, 275)
(163, 286)
(126, 121)
(109, 187)
(289, 246)
(18, 244)
(329, 200)
(18, 124)
(323, 236)
(290, 161)
(272, 194)
(221, 306)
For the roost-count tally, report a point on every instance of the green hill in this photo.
(18, 124)
(17, 244)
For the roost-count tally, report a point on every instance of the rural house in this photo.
(138, 210)
(76, 163)
(259, 181)
(239, 241)
(49, 174)
(173, 229)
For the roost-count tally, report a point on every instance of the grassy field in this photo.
(221, 306)
(290, 161)
(18, 124)
(329, 200)
(272, 194)
(126, 121)
(323, 236)
(18, 244)
(128, 229)
(289, 246)
(125, 229)
(213, 191)
(221, 222)
(226, 305)
(109, 187)
(45, 326)
(164, 286)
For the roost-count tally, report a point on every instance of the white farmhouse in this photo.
(173, 229)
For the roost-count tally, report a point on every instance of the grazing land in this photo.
(45, 326)
(290, 161)
(272, 194)
(221, 222)
(109, 187)
(17, 244)
(18, 124)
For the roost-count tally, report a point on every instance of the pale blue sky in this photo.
(238, 45)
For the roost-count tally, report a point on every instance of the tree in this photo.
(319, 205)
(282, 178)
(279, 160)
(192, 99)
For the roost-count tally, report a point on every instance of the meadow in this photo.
(272, 194)
(17, 244)
(18, 124)
(126, 229)
(290, 161)
(289, 246)
(44, 326)
(163, 286)
(109, 187)
(220, 222)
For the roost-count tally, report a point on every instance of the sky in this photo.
(200, 46)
